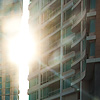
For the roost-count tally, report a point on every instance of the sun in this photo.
(21, 48)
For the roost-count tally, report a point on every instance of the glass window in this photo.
(0, 85)
(84, 4)
(33, 82)
(66, 83)
(7, 97)
(67, 66)
(15, 91)
(83, 65)
(15, 97)
(0, 92)
(0, 79)
(0, 97)
(7, 78)
(84, 44)
(67, 31)
(92, 4)
(92, 25)
(92, 49)
(7, 91)
(7, 84)
(67, 14)
(33, 96)
(66, 49)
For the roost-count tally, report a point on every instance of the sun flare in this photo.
(21, 47)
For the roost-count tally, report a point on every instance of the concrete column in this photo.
(61, 51)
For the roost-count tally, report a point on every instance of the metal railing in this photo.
(76, 17)
(50, 78)
(49, 1)
(77, 37)
(75, 1)
(54, 60)
(76, 76)
(51, 93)
(51, 14)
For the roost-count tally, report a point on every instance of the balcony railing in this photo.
(78, 57)
(54, 28)
(56, 43)
(51, 30)
(75, 1)
(51, 94)
(49, 1)
(50, 78)
(76, 76)
(78, 37)
(51, 14)
(54, 92)
(76, 17)
(54, 60)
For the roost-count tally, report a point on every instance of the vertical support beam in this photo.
(61, 50)
(39, 94)
(81, 47)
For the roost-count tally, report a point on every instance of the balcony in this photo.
(51, 78)
(54, 60)
(52, 93)
(50, 90)
(52, 15)
(77, 77)
(69, 56)
(48, 3)
(51, 31)
(78, 57)
(77, 19)
(51, 47)
(68, 39)
(78, 38)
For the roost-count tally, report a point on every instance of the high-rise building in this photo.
(68, 32)
(9, 72)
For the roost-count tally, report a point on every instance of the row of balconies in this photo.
(54, 88)
(56, 74)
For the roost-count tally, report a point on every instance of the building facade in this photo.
(68, 33)
(9, 72)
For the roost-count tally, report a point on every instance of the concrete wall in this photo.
(97, 81)
(98, 28)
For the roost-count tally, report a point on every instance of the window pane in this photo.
(0, 85)
(92, 4)
(7, 85)
(66, 83)
(15, 91)
(92, 26)
(0, 79)
(92, 49)
(15, 97)
(7, 91)
(0, 97)
(7, 78)
(0, 92)
(7, 97)
(67, 66)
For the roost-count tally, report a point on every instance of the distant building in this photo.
(69, 63)
(9, 73)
